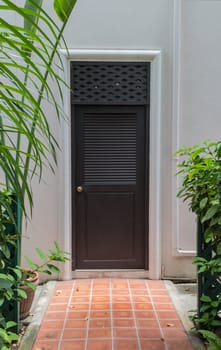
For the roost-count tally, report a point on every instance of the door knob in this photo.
(79, 189)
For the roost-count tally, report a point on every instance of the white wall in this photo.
(200, 71)
(200, 103)
(120, 24)
(191, 72)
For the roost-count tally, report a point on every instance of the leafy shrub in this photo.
(201, 188)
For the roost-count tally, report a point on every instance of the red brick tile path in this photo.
(111, 314)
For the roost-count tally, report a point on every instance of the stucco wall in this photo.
(198, 113)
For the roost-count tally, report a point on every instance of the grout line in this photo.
(134, 315)
(66, 313)
(156, 316)
(89, 314)
(111, 314)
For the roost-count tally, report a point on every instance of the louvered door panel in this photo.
(109, 148)
(110, 157)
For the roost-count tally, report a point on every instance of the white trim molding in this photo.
(155, 57)
(177, 249)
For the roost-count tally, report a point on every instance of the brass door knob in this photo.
(79, 189)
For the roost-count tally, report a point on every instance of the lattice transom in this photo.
(110, 82)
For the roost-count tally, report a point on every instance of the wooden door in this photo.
(109, 184)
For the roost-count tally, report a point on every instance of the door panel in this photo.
(109, 215)
(110, 166)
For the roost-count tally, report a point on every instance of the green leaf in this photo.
(13, 336)
(6, 347)
(21, 293)
(206, 299)
(202, 269)
(215, 323)
(210, 213)
(10, 324)
(2, 321)
(203, 203)
(212, 338)
(30, 284)
(218, 248)
(205, 307)
(6, 251)
(31, 264)
(17, 272)
(48, 272)
(41, 254)
(34, 7)
(5, 284)
(218, 149)
(53, 268)
(4, 276)
(215, 304)
(208, 236)
(63, 8)
(199, 261)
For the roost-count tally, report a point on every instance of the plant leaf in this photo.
(203, 202)
(53, 268)
(31, 264)
(21, 293)
(210, 213)
(34, 6)
(218, 248)
(10, 324)
(41, 254)
(206, 299)
(63, 8)
(30, 284)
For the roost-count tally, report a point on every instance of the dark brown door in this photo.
(110, 186)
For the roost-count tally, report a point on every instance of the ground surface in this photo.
(111, 314)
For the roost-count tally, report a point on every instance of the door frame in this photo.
(155, 150)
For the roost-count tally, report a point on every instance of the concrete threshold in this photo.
(106, 273)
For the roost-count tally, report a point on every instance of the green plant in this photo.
(45, 266)
(7, 337)
(29, 59)
(13, 278)
(8, 227)
(213, 340)
(201, 171)
(10, 286)
(201, 188)
(208, 313)
(28, 278)
(10, 292)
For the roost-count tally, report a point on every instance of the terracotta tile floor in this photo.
(111, 314)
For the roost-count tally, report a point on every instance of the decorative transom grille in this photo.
(110, 83)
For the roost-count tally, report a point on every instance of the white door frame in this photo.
(65, 188)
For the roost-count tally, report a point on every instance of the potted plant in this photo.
(29, 278)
